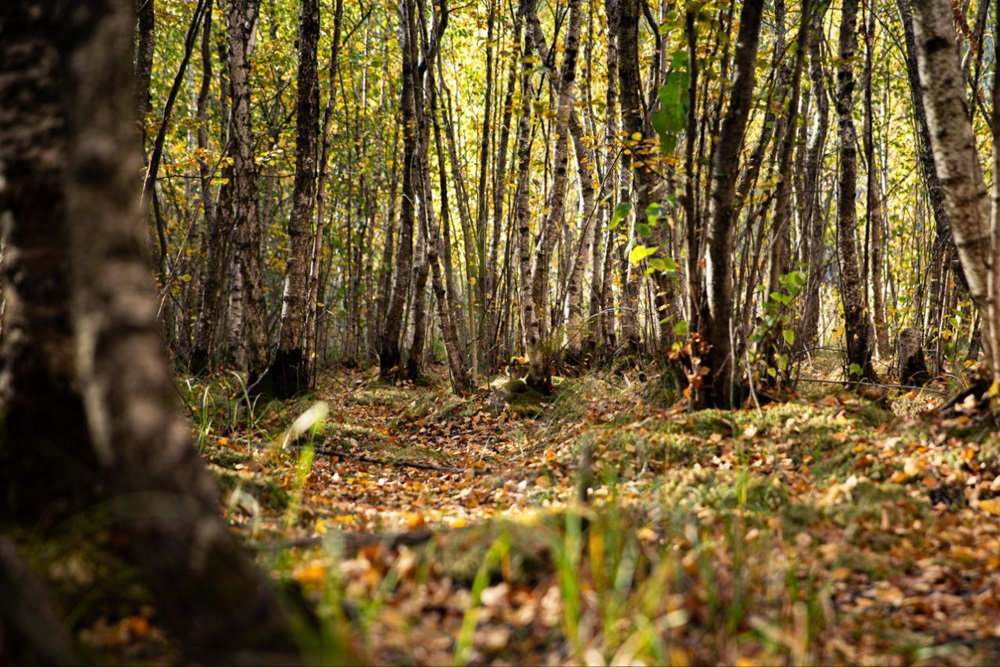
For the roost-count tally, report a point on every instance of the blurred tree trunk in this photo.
(288, 374)
(83, 343)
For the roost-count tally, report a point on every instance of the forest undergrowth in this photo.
(606, 525)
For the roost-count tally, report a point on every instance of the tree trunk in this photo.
(813, 220)
(215, 236)
(943, 249)
(626, 41)
(775, 344)
(288, 374)
(145, 47)
(314, 306)
(873, 201)
(857, 328)
(576, 325)
(953, 142)
(541, 351)
(717, 388)
(207, 589)
(522, 216)
(389, 352)
(241, 23)
(646, 182)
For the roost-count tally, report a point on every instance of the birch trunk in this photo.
(241, 23)
(953, 142)
(522, 216)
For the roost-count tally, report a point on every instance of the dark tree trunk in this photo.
(389, 349)
(857, 327)
(718, 385)
(288, 374)
(646, 182)
(145, 46)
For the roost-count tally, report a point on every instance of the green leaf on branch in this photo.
(664, 264)
(653, 213)
(670, 118)
(619, 213)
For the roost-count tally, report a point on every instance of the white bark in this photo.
(954, 146)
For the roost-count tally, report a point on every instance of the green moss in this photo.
(523, 400)
(461, 553)
(223, 456)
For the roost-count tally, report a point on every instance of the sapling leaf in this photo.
(640, 252)
(619, 213)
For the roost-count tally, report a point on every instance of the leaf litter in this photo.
(611, 527)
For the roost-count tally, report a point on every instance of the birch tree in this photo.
(974, 226)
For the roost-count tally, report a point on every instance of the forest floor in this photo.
(425, 528)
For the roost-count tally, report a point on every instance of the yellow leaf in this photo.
(646, 534)
(637, 136)
(990, 506)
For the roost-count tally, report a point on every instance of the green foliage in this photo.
(774, 334)
(619, 213)
(668, 121)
